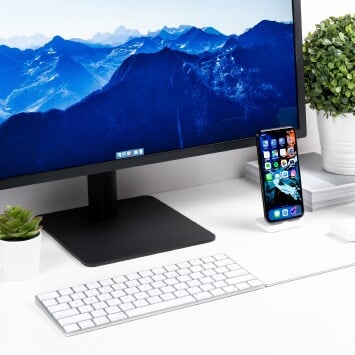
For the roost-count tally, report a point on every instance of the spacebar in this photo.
(161, 306)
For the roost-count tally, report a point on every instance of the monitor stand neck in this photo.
(102, 193)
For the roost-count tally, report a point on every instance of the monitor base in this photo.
(143, 226)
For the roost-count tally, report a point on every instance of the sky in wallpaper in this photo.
(84, 18)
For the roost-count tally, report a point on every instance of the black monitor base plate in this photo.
(143, 226)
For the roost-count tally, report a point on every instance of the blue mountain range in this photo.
(194, 88)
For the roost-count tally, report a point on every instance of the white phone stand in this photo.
(274, 227)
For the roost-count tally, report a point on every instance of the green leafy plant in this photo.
(18, 223)
(329, 65)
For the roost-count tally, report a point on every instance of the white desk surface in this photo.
(314, 315)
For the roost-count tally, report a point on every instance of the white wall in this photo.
(178, 174)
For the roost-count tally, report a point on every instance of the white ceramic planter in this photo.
(20, 260)
(337, 140)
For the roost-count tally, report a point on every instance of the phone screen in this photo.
(280, 174)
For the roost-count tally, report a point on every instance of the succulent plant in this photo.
(329, 66)
(18, 223)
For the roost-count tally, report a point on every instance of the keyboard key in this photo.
(140, 303)
(66, 313)
(132, 283)
(104, 297)
(126, 306)
(71, 328)
(255, 283)
(64, 299)
(193, 290)
(183, 272)
(145, 280)
(230, 289)
(196, 262)
(184, 278)
(171, 267)
(58, 307)
(80, 288)
(133, 276)
(202, 295)
(120, 279)
(93, 285)
(117, 316)
(66, 291)
(85, 309)
(114, 302)
(118, 294)
(158, 277)
(220, 284)
(105, 289)
(221, 269)
(93, 292)
(78, 296)
(49, 295)
(242, 286)
(184, 265)
(167, 296)
(158, 270)
(141, 295)
(50, 302)
(193, 283)
(207, 287)
(154, 292)
(209, 266)
(145, 287)
(146, 273)
(181, 293)
(233, 267)
(168, 289)
(101, 320)
(158, 284)
(128, 298)
(208, 259)
(181, 286)
(113, 309)
(159, 306)
(107, 282)
(196, 268)
(86, 324)
(77, 303)
(131, 290)
(220, 256)
(98, 313)
(217, 292)
(99, 305)
(224, 262)
(171, 274)
(90, 300)
(154, 299)
(237, 272)
(238, 279)
(172, 281)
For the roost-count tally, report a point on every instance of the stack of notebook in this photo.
(320, 188)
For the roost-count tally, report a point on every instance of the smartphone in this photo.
(280, 176)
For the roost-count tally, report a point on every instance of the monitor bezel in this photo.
(175, 154)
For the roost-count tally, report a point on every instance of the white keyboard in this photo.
(124, 298)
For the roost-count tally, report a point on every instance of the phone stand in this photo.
(268, 227)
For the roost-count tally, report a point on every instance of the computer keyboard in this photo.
(128, 297)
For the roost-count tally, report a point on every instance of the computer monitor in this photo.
(185, 79)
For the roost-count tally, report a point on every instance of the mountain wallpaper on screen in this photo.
(69, 103)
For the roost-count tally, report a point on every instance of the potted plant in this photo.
(20, 242)
(329, 66)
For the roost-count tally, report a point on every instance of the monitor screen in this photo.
(172, 76)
